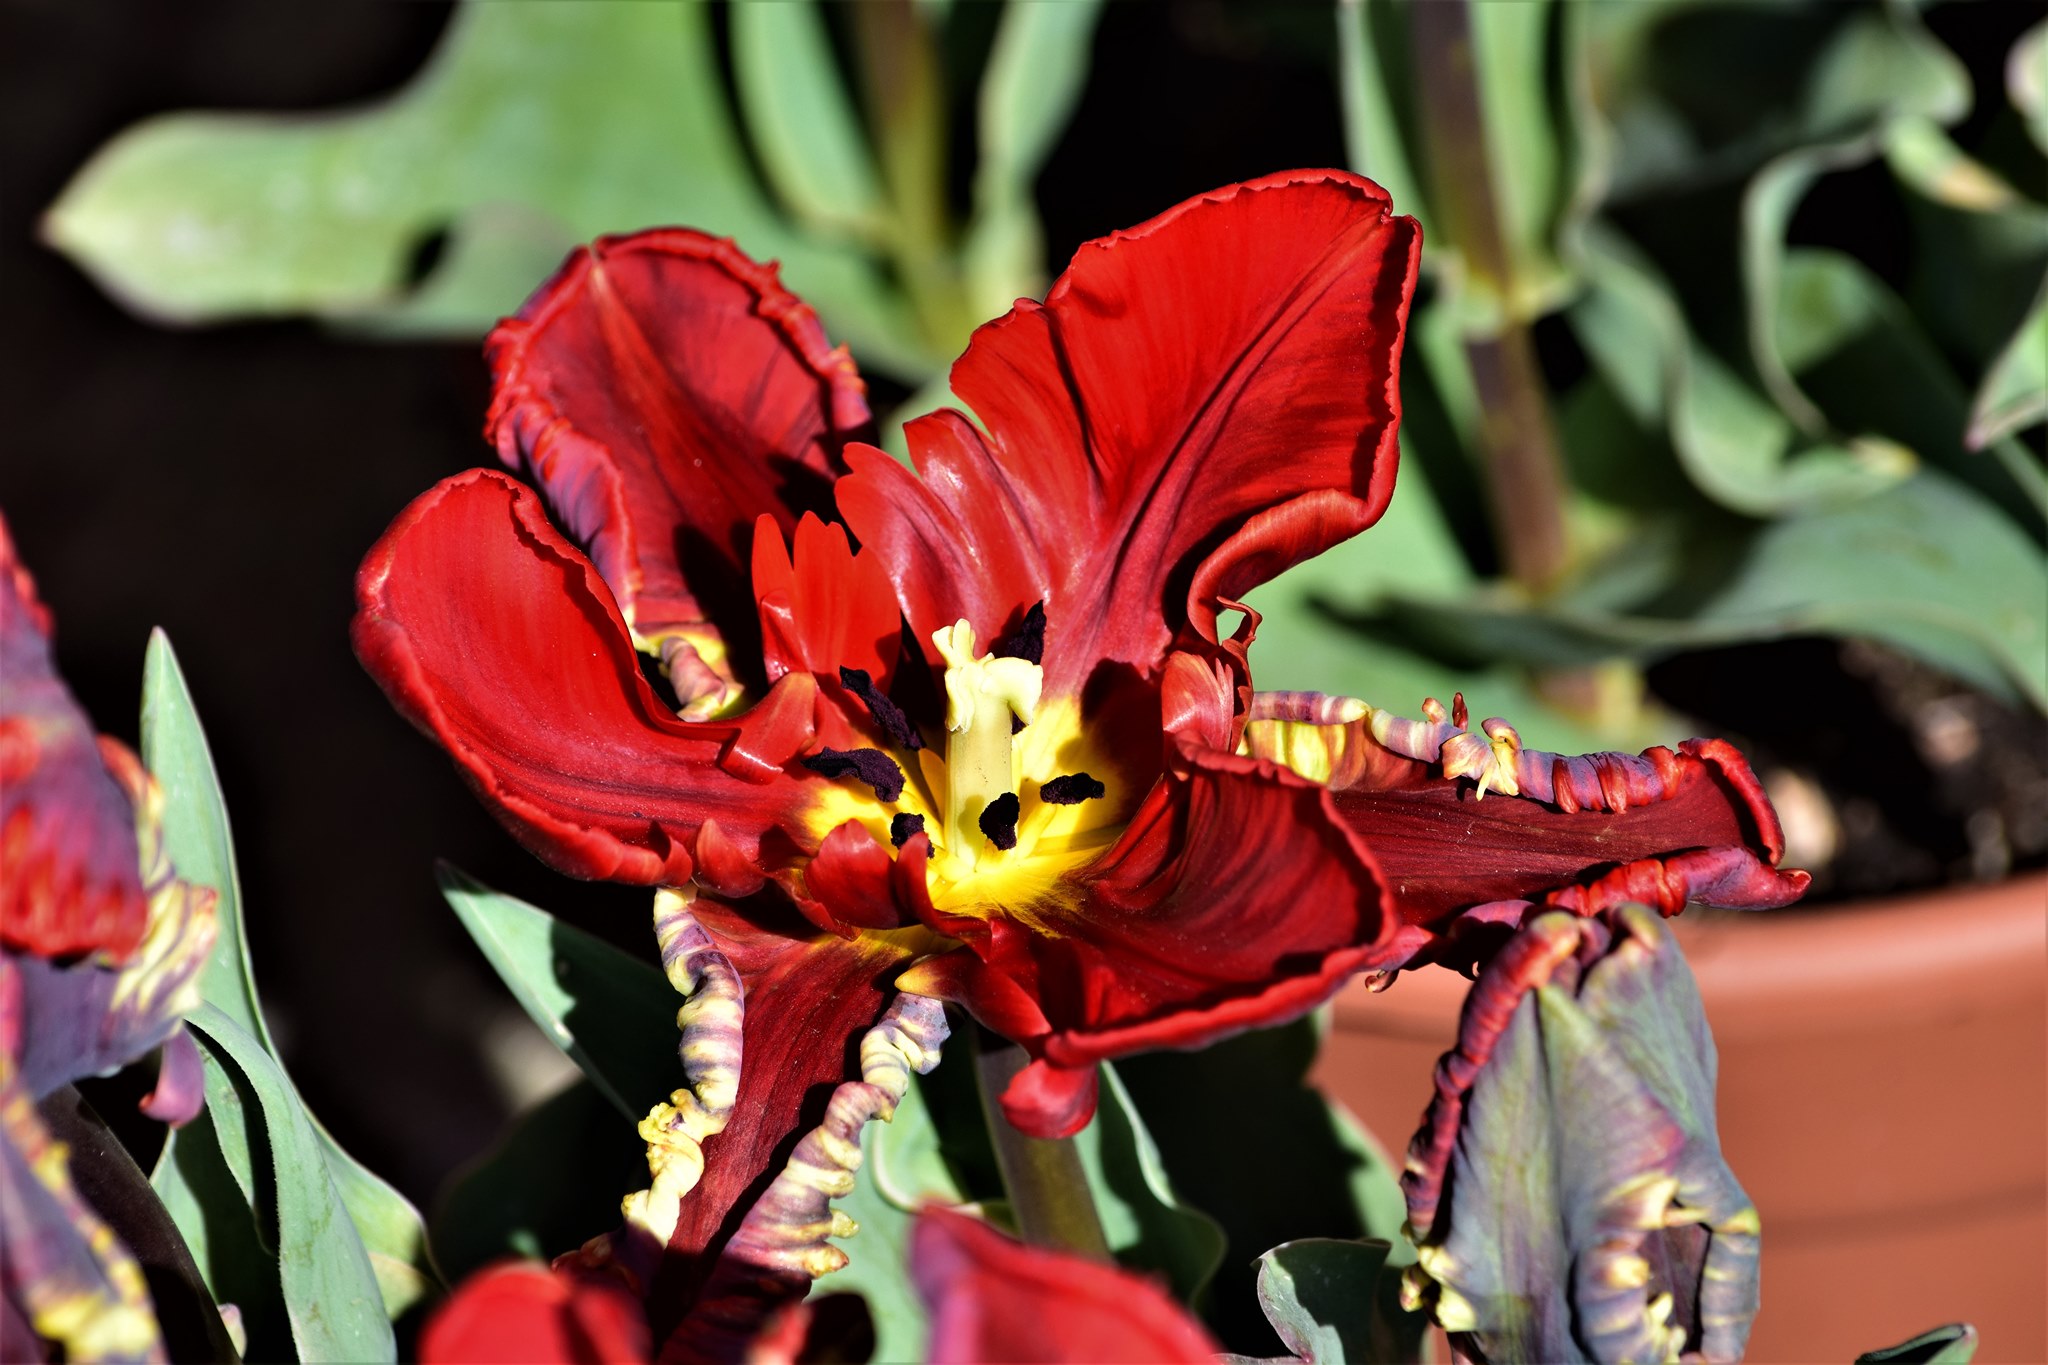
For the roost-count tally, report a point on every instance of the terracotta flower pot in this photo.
(1883, 1097)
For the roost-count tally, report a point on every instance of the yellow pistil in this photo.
(982, 694)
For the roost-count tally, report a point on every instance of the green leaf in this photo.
(1929, 566)
(1313, 637)
(196, 831)
(2014, 394)
(907, 1162)
(1524, 151)
(1034, 77)
(1322, 1297)
(201, 844)
(532, 127)
(1372, 134)
(552, 1180)
(331, 1293)
(1732, 442)
(1955, 1344)
(803, 122)
(1144, 1221)
(1243, 1106)
(2026, 81)
(614, 1015)
(213, 1214)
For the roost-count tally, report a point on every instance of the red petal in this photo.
(665, 391)
(1235, 899)
(525, 1312)
(1445, 849)
(851, 884)
(70, 870)
(808, 996)
(497, 638)
(995, 1299)
(828, 609)
(1154, 425)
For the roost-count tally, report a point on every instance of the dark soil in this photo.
(1889, 776)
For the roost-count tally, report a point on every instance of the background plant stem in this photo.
(1523, 476)
(1047, 1184)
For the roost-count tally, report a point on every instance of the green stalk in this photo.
(906, 106)
(1523, 470)
(1047, 1184)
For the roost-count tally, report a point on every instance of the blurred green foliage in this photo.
(540, 125)
(1767, 438)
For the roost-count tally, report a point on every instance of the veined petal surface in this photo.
(1567, 1190)
(1201, 402)
(65, 1278)
(1235, 899)
(665, 392)
(496, 636)
(1472, 831)
(66, 1020)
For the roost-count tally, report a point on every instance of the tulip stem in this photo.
(1047, 1184)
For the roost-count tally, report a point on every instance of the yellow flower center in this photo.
(987, 759)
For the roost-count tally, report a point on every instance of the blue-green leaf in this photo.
(533, 127)
(878, 1254)
(1036, 68)
(331, 1294)
(1322, 1297)
(614, 1015)
(1145, 1222)
(196, 831)
(803, 122)
(551, 1181)
(201, 845)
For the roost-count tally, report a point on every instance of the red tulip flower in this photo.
(101, 946)
(1006, 753)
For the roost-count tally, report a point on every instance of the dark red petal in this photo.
(1051, 1101)
(781, 1245)
(70, 875)
(1153, 426)
(809, 995)
(994, 1299)
(519, 1312)
(1235, 899)
(851, 883)
(497, 638)
(665, 391)
(1699, 829)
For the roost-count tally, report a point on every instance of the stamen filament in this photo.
(982, 694)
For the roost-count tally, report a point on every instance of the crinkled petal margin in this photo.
(665, 391)
(1474, 832)
(498, 639)
(1202, 401)
(1566, 1190)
